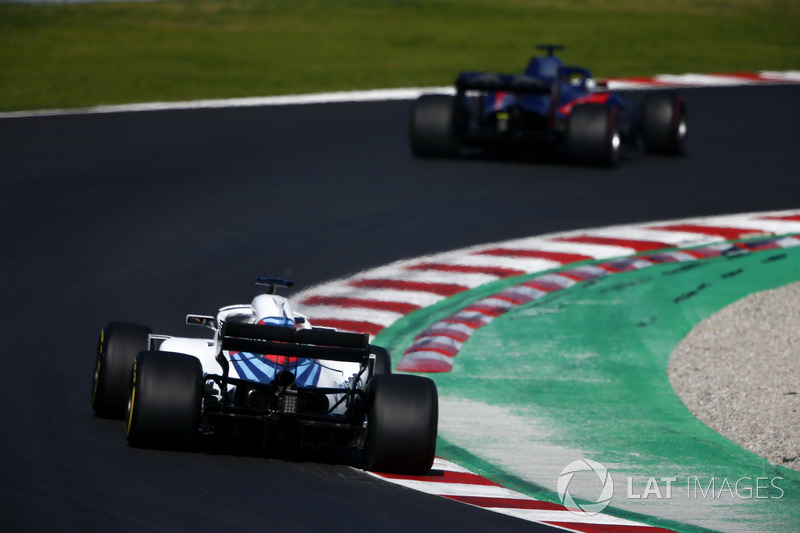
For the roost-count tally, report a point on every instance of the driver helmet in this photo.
(273, 310)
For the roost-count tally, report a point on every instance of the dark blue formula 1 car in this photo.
(551, 108)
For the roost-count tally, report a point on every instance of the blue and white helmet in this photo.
(272, 310)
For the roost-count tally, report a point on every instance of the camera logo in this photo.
(585, 465)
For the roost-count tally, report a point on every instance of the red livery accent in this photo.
(593, 98)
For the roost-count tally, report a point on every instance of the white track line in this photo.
(409, 93)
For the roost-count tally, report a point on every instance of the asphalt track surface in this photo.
(147, 216)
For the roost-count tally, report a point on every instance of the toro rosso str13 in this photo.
(551, 108)
(264, 378)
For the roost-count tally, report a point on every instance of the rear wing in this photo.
(520, 83)
(305, 343)
(486, 81)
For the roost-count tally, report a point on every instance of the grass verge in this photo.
(72, 55)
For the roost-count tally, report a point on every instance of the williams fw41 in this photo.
(264, 378)
(550, 109)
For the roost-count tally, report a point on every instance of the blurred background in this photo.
(64, 54)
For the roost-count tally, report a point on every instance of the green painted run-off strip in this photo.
(582, 373)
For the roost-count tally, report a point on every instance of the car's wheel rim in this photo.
(682, 131)
(615, 146)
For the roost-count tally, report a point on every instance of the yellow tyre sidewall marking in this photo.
(131, 401)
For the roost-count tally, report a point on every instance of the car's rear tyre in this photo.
(165, 400)
(593, 136)
(432, 128)
(383, 361)
(664, 124)
(402, 424)
(117, 347)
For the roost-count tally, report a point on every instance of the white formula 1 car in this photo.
(265, 378)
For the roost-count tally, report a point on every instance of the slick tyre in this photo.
(593, 136)
(117, 347)
(664, 124)
(165, 400)
(401, 424)
(433, 126)
(383, 361)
